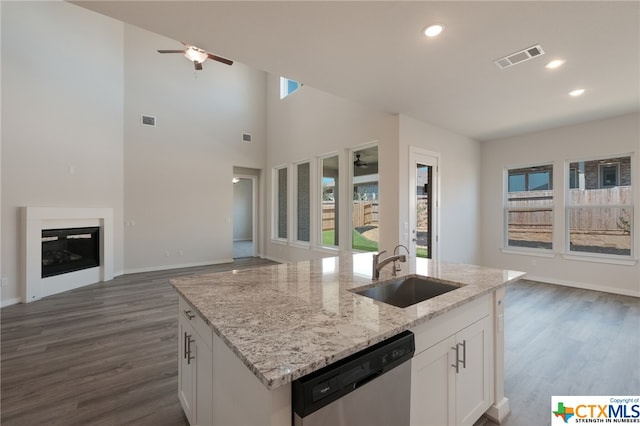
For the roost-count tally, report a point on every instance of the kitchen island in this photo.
(246, 335)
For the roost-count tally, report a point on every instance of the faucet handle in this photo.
(380, 253)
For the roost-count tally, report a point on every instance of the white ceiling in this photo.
(374, 52)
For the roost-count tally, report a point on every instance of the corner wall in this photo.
(459, 175)
(62, 119)
(310, 123)
(596, 138)
(178, 189)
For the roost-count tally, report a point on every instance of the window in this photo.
(609, 175)
(287, 87)
(303, 205)
(600, 208)
(529, 207)
(365, 199)
(329, 203)
(280, 204)
(530, 179)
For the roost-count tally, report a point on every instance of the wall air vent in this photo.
(519, 57)
(246, 137)
(148, 120)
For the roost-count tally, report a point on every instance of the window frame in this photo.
(275, 211)
(284, 87)
(506, 247)
(594, 256)
(351, 182)
(320, 203)
(295, 218)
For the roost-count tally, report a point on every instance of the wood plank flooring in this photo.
(106, 354)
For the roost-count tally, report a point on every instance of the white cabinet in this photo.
(451, 380)
(195, 379)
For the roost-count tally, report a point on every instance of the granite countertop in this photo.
(285, 321)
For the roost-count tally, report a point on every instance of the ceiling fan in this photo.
(359, 163)
(197, 55)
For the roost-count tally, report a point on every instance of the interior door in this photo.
(423, 179)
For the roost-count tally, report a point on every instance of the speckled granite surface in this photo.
(285, 321)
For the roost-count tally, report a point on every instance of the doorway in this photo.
(423, 203)
(244, 216)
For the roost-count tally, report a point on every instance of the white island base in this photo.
(457, 372)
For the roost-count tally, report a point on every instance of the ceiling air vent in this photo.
(246, 137)
(518, 57)
(148, 120)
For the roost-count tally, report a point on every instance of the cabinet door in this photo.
(203, 367)
(433, 385)
(474, 378)
(186, 370)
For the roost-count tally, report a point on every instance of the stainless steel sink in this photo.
(407, 291)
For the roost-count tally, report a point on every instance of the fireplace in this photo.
(65, 238)
(70, 249)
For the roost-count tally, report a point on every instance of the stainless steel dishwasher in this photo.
(369, 388)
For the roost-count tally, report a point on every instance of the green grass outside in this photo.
(362, 243)
(359, 242)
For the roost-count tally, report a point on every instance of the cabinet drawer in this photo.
(448, 324)
(199, 325)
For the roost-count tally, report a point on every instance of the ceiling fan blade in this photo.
(197, 65)
(170, 51)
(219, 59)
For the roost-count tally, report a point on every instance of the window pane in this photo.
(365, 200)
(304, 202)
(330, 192)
(604, 230)
(573, 178)
(529, 209)
(530, 228)
(516, 183)
(282, 203)
(539, 181)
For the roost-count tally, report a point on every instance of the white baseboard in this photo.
(177, 266)
(497, 412)
(584, 286)
(10, 302)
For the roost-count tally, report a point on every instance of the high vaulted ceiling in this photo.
(374, 52)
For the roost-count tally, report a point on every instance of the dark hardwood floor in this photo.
(106, 354)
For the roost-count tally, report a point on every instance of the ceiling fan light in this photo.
(433, 30)
(195, 55)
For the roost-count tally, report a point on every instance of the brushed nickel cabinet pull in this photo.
(184, 345)
(457, 364)
(189, 342)
(464, 353)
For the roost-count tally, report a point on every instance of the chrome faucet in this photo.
(379, 264)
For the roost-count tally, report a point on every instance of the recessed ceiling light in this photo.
(556, 63)
(433, 30)
(576, 92)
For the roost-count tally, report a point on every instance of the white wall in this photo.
(242, 210)
(310, 123)
(459, 164)
(62, 118)
(618, 135)
(178, 189)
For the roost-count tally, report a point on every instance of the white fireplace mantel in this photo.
(34, 220)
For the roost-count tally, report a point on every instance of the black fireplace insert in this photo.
(70, 249)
